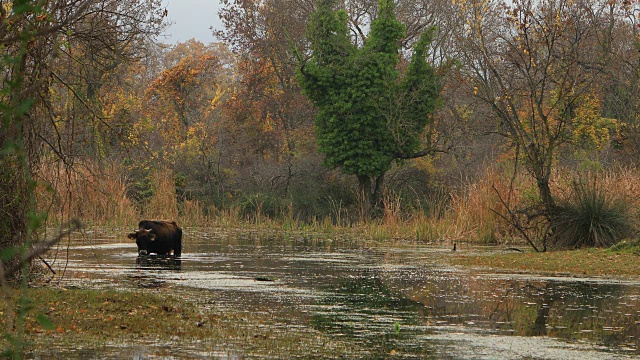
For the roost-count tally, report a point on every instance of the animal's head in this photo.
(143, 238)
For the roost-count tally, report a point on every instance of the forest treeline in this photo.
(536, 117)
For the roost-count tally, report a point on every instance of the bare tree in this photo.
(57, 52)
(532, 63)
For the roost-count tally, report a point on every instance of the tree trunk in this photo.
(364, 182)
(371, 195)
(545, 195)
(549, 208)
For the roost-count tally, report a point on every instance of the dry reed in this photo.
(94, 194)
(98, 195)
(193, 213)
(163, 204)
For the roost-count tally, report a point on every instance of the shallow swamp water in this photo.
(380, 302)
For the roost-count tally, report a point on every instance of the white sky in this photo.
(191, 19)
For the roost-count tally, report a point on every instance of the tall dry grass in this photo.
(94, 194)
(192, 213)
(465, 214)
(163, 204)
(472, 216)
(98, 195)
(622, 181)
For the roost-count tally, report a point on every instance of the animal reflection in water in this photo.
(158, 262)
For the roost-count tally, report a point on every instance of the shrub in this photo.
(590, 216)
(260, 205)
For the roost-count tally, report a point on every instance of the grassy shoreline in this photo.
(127, 319)
(579, 263)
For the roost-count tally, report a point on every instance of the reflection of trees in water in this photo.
(603, 313)
(539, 326)
(578, 310)
(366, 299)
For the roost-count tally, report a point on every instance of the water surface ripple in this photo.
(388, 302)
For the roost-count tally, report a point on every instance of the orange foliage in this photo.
(268, 111)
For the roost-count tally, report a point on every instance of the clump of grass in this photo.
(590, 217)
(626, 247)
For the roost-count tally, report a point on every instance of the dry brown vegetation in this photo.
(98, 197)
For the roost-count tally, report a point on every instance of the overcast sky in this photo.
(191, 19)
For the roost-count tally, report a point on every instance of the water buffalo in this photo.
(158, 236)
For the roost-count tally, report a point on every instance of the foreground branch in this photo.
(43, 247)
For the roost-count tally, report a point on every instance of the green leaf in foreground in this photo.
(8, 253)
(46, 323)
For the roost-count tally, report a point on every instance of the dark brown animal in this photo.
(159, 237)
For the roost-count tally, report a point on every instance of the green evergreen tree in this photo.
(369, 114)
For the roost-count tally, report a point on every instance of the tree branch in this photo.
(43, 247)
(421, 153)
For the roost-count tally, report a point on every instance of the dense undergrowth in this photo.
(594, 209)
